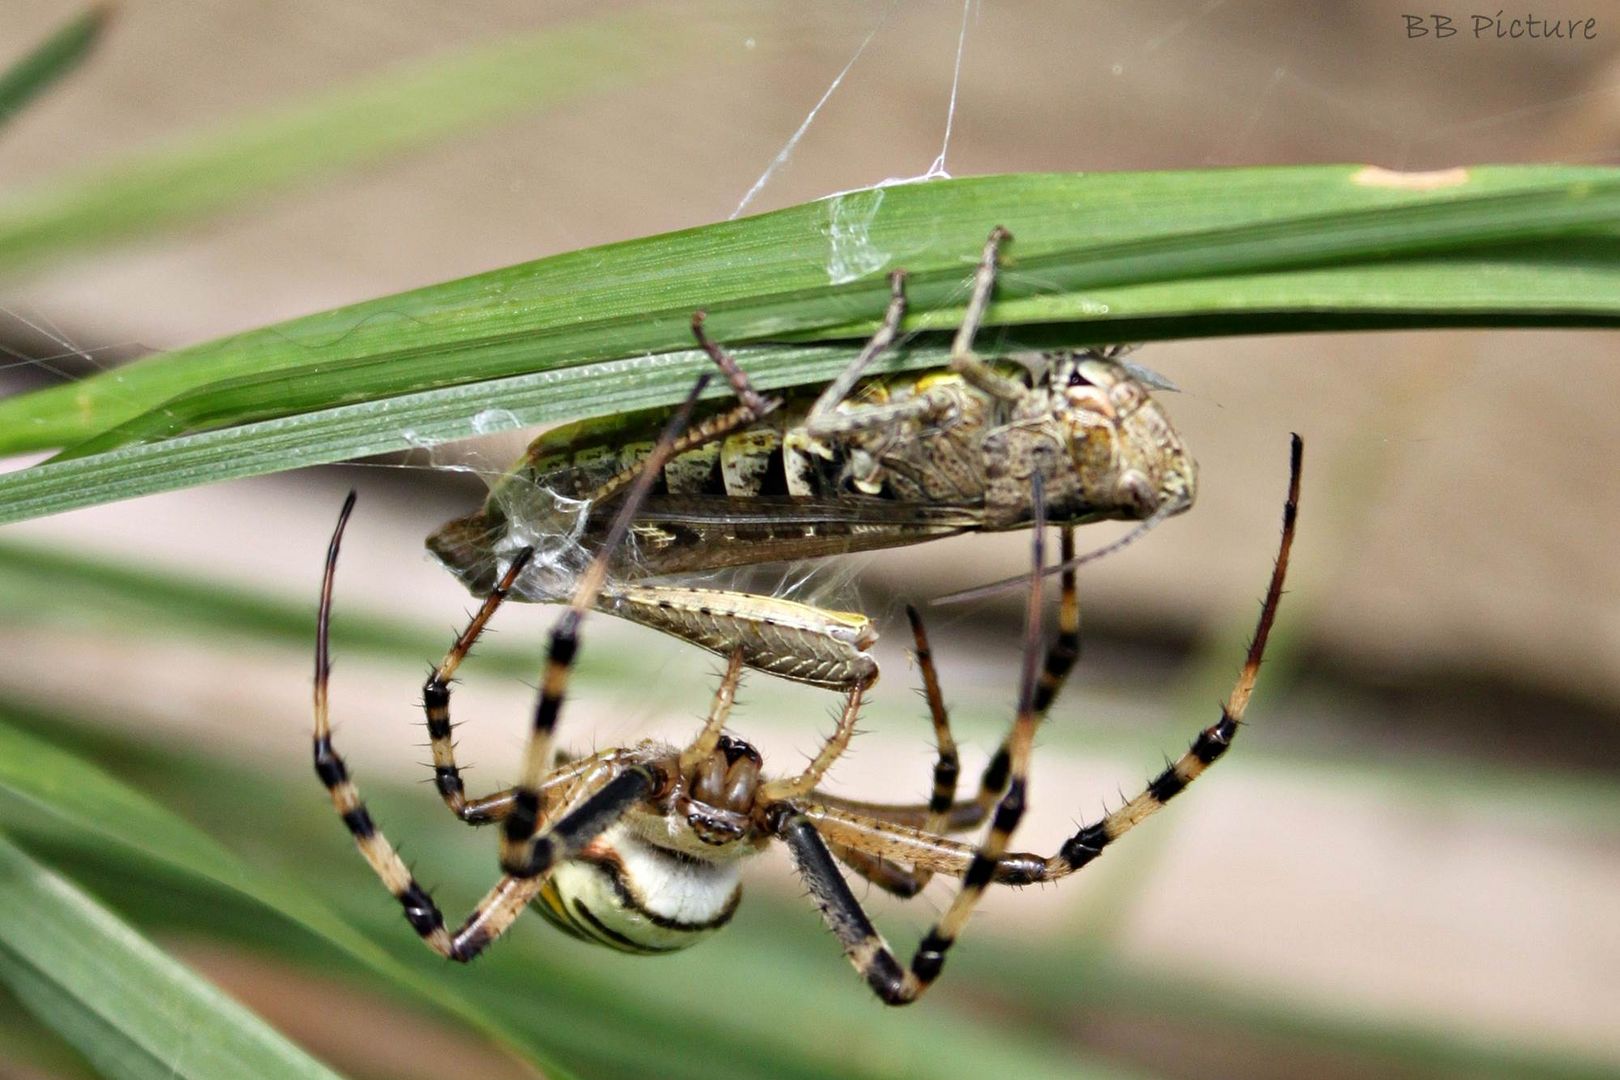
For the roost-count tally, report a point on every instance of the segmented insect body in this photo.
(867, 464)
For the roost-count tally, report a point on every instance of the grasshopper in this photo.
(867, 463)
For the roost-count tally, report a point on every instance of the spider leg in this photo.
(436, 691)
(833, 748)
(1061, 657)
(871, 841)
(862, 943)
(947, 763)
(527, 853)
(523, 852)
(709, 736)
(943, 813)
(874, 836)
(436, 703)
(594, 812)
(892, 878)
(1064, 651)
(1211, 743)
(963, 815)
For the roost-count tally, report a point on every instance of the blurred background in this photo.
(1408, 867)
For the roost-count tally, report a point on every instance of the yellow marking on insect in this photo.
(744, 457)
(688, 473)
(938, 378)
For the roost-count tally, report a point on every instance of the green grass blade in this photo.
(132, 1011)
(1099, 257)
(95, 804)
(599, 1012)
(1098, 254)
(92, 800)
(390, 113)
(52, 59)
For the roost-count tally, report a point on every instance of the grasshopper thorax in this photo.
(1103, 446)
(1124, 446)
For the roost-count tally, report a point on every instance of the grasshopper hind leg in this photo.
(811, 645)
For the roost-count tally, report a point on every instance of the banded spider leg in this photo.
(581, 800)
(862, 943)
(899, 836)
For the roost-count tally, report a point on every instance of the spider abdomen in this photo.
(629, 894)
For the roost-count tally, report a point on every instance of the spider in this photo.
(639, 848)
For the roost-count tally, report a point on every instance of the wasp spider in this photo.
(639, 848)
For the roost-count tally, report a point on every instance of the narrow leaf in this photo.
(1100, 254)
(52, 59)
(389, 113)
(119, 1000)
(97, 804)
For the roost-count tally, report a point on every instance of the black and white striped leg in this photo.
(522, 851)
(1061, 657)
(436, 704)
(907, 881)
(497, 910)
(944, 813)
(877, 842)
(1213, 741)
(1064, 652)
(947, 762)
(863, 945)
(527, 852)
(583, 824)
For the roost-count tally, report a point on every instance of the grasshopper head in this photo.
(1129, 461)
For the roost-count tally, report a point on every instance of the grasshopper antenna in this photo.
(979, 592)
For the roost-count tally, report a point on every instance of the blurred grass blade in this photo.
(389, 113)
(53, 58)
(64, 784)
(608, 1016)
(619, 1016)
(96, 804)
(131, 1010)
(1104, 257)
